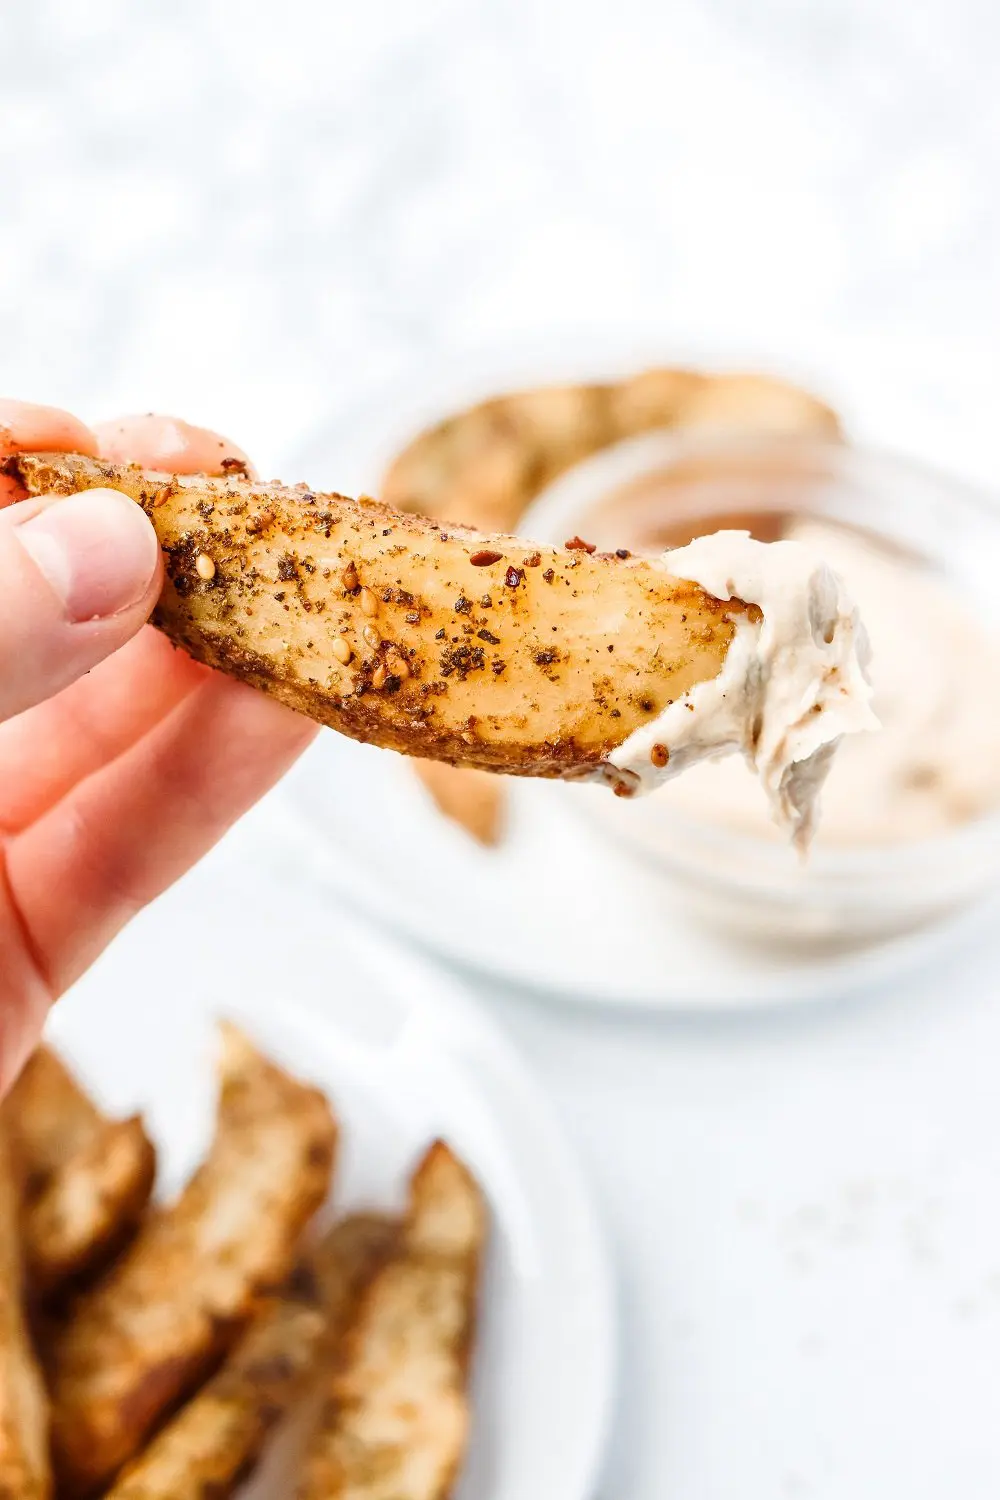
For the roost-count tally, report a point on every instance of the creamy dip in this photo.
(935, 763)
(792, 685)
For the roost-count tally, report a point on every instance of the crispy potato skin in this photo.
(396, 1419)
(86, 1179)
(145, 1334)
(483, 466)
(470, 649)
(214, 1442)
(24, 1455)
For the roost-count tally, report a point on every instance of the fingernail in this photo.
(96, 550)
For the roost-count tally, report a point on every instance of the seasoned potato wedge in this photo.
(450, 645)
(483, 467)
(214, 1442)
(87, 1179)
(148, 1331)
(396, 1418)
(24, 1418)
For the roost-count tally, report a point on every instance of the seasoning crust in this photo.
(394, 630)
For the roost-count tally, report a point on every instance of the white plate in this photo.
(556, 909)
(404, 1058)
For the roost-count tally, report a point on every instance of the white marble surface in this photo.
(258, 215)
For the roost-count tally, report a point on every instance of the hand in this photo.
(122, 761)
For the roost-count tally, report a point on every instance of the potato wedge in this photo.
(476, 650)
(396, 1419)
(470, 798)
(151, 1329)
(49, 1116)
(214, 1442)
(484, 466)
(87, 1179)
(24, 1417)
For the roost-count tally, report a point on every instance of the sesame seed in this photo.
(342, 650)
(378, 677)
(369, 603)
(371, 636)
(205, 567)
(350, 578)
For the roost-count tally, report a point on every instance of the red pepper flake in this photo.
(659, 755)
(577, 544)
(513, 577)
(534, 561)
(486, 558)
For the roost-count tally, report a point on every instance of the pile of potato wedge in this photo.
(152, 1349)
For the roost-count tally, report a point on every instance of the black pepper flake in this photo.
(280, 597)
(393, 684)
(461, 660)
(439, 634)
(463, 606)
(486, 602)
(489, 638)
(498, 666)
(647, 705)
(622, 552)
(287, 569)
(546, 658)
(548, 575)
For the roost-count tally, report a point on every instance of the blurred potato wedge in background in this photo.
(214, 1443)
(144, 1336)
(395, 1420)
(86, 1178)
(24, 1418)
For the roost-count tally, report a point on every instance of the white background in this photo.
(258, 215)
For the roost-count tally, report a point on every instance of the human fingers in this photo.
(125, 834)
(27, 428)
(78, 578)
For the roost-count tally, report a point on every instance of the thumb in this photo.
(78, 577)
